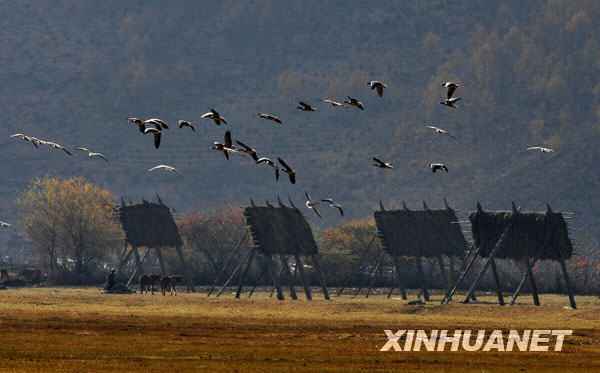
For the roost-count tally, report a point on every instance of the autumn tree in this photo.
(72, 223)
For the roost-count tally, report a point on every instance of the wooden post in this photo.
(489, 259)
(274, 277)
(190, 284)
(321, 277)
(450, 271)
(563, 265)
(161, 261)
(233, 274)
(443, 271)
(400, 278)
(235, 250)
(122, 259)
(288, 273)
(422, 278)
(138, 262)
(534, 292)
(464, 272)
(497, 281)
(244, 273)
(303, 277)
(373, 275)
(137, 269)
(260, 276)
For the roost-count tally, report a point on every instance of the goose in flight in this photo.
(334, 204)
(157, 134)
(138, 122)
(55, 146)
(450, 102)
(270, 163)
(227, 146)
(331, 102)
(354, 102)
(30, 139)
(270, 117)
(3, 224)
(248, 150)
(185, 123)
(377, 85)
(438, 166)
(381, 164)
(305, 107)
(451, 87)
(92, 154)
(166, 168)
(440, 131)
(214, 115)
(159, 124)
(288, 170)
(542, 149)
(311, 205)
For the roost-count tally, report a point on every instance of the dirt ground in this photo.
(80, 329)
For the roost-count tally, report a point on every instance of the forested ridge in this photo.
(73, 72)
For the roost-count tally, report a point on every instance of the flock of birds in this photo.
(157, 128)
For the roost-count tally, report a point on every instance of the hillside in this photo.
(529, 73)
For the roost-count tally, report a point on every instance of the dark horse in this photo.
(170, 282)
(147, 283)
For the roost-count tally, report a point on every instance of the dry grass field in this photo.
(80, 329)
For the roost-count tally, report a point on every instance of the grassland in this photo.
(80, 329)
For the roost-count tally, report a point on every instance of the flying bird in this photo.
(542, 149)
(26, 138)
(227, 146)
(440, 131)
(270, 117)
(55, 146)
(334, 204)
(185, 123)
(166, 168)
(159, 124)
(3, 224)
(92, 154)
(288, 170)
(270, 163)
(450, 102)
(214, 115)
(381, 164)
(451, 87)
(377, 85)
(248, 150)
(311, 205)
(157, 134)
(138, 122)
(305, 107)
(331, 102)
(438, 166)
(354, 102)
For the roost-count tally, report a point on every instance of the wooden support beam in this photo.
(136, 271)
(563, 265)
(399, 277)
(260, 276)
(321, 277)
(274, 277)
(186, 273)
(244, 274)
(497, 281)
(422, 278)
(138, 262)
(122, 259)
(490, 258)
(235, 250)
(161, 261)
(450, 271)
(470, 259)
(374, 274)
(303, 278)
(233, 274)
(288, 273)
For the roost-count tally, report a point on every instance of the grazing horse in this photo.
(147, 282)
(170, 282)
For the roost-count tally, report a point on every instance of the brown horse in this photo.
(147, 282)
(170, 282)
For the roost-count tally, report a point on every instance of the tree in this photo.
(73, 223)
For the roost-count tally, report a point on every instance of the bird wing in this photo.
(339, 208)
(99, 155)
(451, 90)
(316, 212)
(432, 127)
(246, 147)
(226, 152)
(306, 106)
(534, 148)
(276, 172)
(228, 142)
(176, 170)
(205, 115)
(83, 149)
(380, 90)
(292, 178)
(157, 139)
(263, 160)
(328, 200)
(64, 149)
(284, 164)
(156, 167)
(307, 196)
(378, 161)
